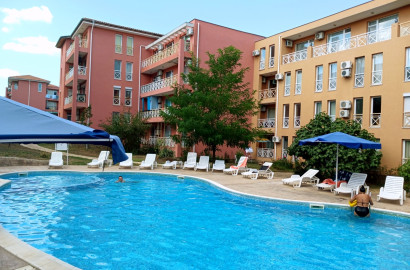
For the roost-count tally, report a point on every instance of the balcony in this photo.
(405, 29)
(51, 108)
(160, 55)
(375, 119)
(83, 43)
(69, 74)
(55, 97)
(152, 113)
(69, 50)
(265, 152)
(68, 100)
(294, 57)
(82, 70)
(9, 89)
(155, 140)
(81, 98)
(267, 93)
(266, 123)
(160, 84)
(353, 42)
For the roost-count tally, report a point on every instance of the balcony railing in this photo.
(377, 77)
(81, 98)
(359, 80)
(287, 90)
(187, 46)
(298, 88)
(284, 153)
(127, 101)
(51, 107)
(406, 120)
(117, 74)
(159, 84)
(407, 72)
(266, 152)
(130, 50)
(160, 55)
(319, 86)
(285, 122)
(68, 100)
(116, 100)
(128, 76)
(83, 43)
(152, 113)
(69, 74)
(267, 93)
(155, 140)
(266, 123)
(118, 48)
(332, 83)
(262, 65)
(296, 122)
(55, 97)
(294, 57)
(82, 70)
(375, 119)
(271, 62)
(358, 118)
(405, 29)
(353, 42)
(69, 50)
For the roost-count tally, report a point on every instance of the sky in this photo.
(29, 29)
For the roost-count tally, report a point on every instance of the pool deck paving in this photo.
(15, 254)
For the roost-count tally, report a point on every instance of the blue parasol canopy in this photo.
(20, 123)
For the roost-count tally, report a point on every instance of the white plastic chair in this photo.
(127, 163)
(101, 159)
(219, 165)
(393, 189)
(203, 163)
(190, 162)
(149, 162)
(355, 182)
(297, 180)
(56, 160)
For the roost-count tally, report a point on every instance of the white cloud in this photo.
(34, 14)
(35, 45)
(6, 72)
(5, 29)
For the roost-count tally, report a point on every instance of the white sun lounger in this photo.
(264, 171)
(190, 162)
(203, 163)
(393, 189)
(219, 165)
(240, 167)
(56, 160)
(127, 163)
(170, 165)
(101, 159)
(149, 162)
(352, 187)
(297, 180)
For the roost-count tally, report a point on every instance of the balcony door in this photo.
(338, 41)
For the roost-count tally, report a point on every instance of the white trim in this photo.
(116, 86)
(127, 88)
(169, 35)
(406, 94)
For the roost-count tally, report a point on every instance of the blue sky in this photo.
(29, 29)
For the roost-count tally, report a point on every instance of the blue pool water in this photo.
(161, 222)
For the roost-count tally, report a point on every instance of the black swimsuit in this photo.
(362, 211)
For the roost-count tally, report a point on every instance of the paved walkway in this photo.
(263, 187)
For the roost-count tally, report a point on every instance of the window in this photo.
(115, 115)
(332, 109)
(128, 71)
(406, 111)
(303, 45)
(285, 143)
(376, 109)
(296, 122)
(319, 79)
(287, 83)
(285, 115)
(169, 74)
(271, 56)
(16, 86)
(359, 74)
(118, 43)
(380, 30)
(406, 151)
(407, 69)
(332, 76)
(262, 59)
(377, 69)
(298, 84)
(117, 69)
(130, 46)
(338, 41)
(167, 131)
(40, 87)
(358, 110)
(318, 107)
(128, 96)
(117, 93)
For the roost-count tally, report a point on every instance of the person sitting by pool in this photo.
(363, 201)
(120, 180)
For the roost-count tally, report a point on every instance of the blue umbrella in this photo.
(340, 138)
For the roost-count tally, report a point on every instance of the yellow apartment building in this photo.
(354, 65)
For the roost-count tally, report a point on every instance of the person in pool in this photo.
(363, 202)
(120, 180)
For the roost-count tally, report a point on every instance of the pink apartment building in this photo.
(119, 69)
(33, 91)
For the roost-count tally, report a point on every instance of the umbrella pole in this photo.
(337, 162)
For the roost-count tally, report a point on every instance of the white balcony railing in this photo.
(118, 48)
(407, 73)
(130, 50)
(152, 113)
(128, 76)
(285, 122)
(82, 70)
(287, 90)
(70, 49)
(159, 84)
(127, 101)
(377, 77)
(359, 80)
(68, 100)
(266, 123)
(271, 62)
(358, 118)
(298, 88)
(332, 83)
(353, 42)
(294, 57)
(375, 119)
(296, 122)
(83, 43)
(116, 100)
(187, 46)
(406, 120)
(267, 93)
(266, 152)
(81, 98)
(69, 74)
(319, 86)
(160, 55)
(405, 29)
(155, 140)
(117, 74)
(262, 65)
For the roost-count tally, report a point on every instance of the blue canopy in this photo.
(20, 123)
(342, 139)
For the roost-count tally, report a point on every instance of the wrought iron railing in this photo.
(127, 101)
(69, 50)
(266, 123)
(294, 57)
(267, 93)
(266, 152)
(285, 122)
(284, 153)
(166, 82)
(160, 55)
(375, 119)
(83, 43)
(187, 46)
(118, 48)
(359, 80)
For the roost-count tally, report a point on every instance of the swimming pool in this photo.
(160, 222)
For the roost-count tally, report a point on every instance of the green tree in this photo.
(216, 109)
(323, 156)
(129, 128)
(85, 117)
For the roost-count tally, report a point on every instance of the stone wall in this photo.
(14, 161)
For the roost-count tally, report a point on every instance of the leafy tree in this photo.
(85, 117)
(130, 128)
(323, 156)
(216, 110)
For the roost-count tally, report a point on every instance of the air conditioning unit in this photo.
(279, 76)
(159, 72)
(263, 108)
(344, 113)
(190, 32)
(255, 53)
(289, 43)
(346, 73)
(263, 79)
(345, 104)
(275, 139)
(320, 35)
(346, 64)
(160, 47)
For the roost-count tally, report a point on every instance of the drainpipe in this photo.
(139, 80)
(197, 42)
(89, 70)
(277, 96)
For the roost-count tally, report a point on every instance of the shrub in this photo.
(165, 152)
(282, 165)
(404, 170)
(238, 155)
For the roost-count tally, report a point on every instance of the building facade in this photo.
(354, 65)
(33, 91)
